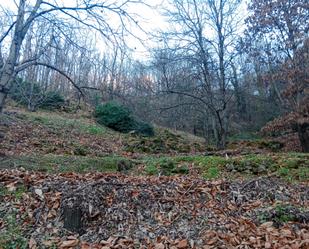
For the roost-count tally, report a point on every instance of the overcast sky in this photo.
(150, 18)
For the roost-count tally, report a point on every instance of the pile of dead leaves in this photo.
(165, 212)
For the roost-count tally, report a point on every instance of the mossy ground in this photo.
(64, 163)
(288, 166)
(163, 142)
(64, 142)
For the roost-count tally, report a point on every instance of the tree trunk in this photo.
(303, 134)
(220, 136)
(220, 128)
(73, 219)
(221, 141)
(3, 95)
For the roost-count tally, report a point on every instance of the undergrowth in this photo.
(12, 236)
(290, 167)
(60, 163)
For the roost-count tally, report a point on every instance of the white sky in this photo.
(149, 18)
(151, 22)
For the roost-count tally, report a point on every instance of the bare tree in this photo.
(90, 14)
(206, 31)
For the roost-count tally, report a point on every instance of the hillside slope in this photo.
(128, 191)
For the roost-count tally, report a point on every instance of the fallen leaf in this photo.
(39, 192)
(69, 243)
(159, 246)
(182, 244)
(267, 224)
(11, 187)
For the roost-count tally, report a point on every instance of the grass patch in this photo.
(151, 170)
(55, 121)
(165, 166)
(208, 161)
(60, 163)
(245, 136)
(255, 164)
(11, 235)
(16, 193)
(283, 171)
(212, 173)
(282, 213)
(95, 129)
(288, 166)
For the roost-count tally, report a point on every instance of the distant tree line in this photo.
(211, 73)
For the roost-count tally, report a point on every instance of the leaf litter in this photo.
(120, 211)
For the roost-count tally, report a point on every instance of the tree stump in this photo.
(73, 219)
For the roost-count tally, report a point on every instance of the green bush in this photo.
(120, 118)
(115, 116)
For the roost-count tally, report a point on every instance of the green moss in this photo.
(288, 166)
(151, 170)
(256, 164)
(283, 171)
(281, 214)
(212, 173)
(167, 167)
(182, 169)
(164, 141)
(164, 165)
(178, 164)
(64, 163)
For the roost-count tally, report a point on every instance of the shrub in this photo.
(115, 116)
(120, 118)
(144, 129)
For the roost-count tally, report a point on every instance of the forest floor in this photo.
(166, 191)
